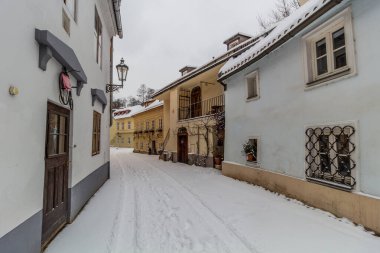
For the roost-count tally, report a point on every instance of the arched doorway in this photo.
(196, 102)
(182, 145)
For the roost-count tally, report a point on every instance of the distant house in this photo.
(306, 97)
(123, 127)
(191, 101)
(148, 133)
(53, 156)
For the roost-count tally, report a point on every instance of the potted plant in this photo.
(249, 151)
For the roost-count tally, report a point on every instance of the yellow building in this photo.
(148, 134)
(190, 104)
(123, 127)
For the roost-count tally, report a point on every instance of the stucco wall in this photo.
(147, 138)
(23, 117)
(119, 137)
(285, 108)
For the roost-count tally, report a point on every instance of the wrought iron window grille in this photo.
(329, 156)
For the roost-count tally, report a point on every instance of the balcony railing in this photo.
(203, 108)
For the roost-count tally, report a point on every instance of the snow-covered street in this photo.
(153, 206)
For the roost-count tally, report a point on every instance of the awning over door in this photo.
(51, 46)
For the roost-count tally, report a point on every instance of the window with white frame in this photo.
(98, 38)
(252, 85)
(330, 156)
(330, 50)
(254, 141)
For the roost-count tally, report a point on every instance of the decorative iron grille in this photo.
(329, 155)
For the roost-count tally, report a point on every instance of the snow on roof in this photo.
(238, 49)
(126, 112)
(282, 29)
(155, 104)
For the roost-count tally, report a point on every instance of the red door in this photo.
(55, 209)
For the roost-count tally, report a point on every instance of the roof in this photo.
(152, 106)
(284, 30)
(233, 37)
(126, 112)
(116, 10)
(238, 49)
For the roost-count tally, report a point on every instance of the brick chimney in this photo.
(236, 40)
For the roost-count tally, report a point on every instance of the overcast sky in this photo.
(162, 36)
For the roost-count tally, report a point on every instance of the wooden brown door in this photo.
(182, 148)
(55, 209)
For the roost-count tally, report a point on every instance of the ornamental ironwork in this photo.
(329, 155)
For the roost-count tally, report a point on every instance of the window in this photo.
(160, 124)
(98, 38)
(330, 155)
(122, 126)
(330, 50)
(196, 102)
(71, 7)
(252, 81)
(254, 141)
(147, 125)
(96, 133)
(129, 140)
(57, 135)
(141, 145)
(122, 139)
(153, 124)
(65, 22)
(129, 125)
(118, 125)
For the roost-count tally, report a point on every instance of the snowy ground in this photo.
(154, 206)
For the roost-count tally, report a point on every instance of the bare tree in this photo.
(283, 9)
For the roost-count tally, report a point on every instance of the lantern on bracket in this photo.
(122, 72)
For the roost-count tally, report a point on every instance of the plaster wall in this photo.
(23, 117)
(280, 116)
(146, 138)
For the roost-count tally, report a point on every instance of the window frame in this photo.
(66, 22)
(333, 154)
(67, 9)
(96, 133)
(252, 75)
(256, 163)
(98, 32)
(342, 20)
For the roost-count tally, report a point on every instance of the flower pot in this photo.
(217, 160)
(250, 157)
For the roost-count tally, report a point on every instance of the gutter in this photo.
(116, 9)
(284, 39)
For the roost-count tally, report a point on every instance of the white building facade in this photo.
(306, 97)
(52, 158)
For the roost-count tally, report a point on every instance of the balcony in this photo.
(199, 109)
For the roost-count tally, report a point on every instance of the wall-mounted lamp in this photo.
(122, 71)
(13, 91)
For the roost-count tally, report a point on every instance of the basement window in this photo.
(330, 156)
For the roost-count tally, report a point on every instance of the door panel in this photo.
(182, 149)
(56, 172)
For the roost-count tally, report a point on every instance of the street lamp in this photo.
(122, 71)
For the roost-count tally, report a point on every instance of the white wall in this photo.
(284, 109)
(23, 117)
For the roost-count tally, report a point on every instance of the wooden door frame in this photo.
(60, 110)
(179, 136)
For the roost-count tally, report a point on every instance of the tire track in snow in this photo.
(207, 213)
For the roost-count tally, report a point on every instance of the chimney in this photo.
(302, 2)
(187, 69)
(236, 40)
